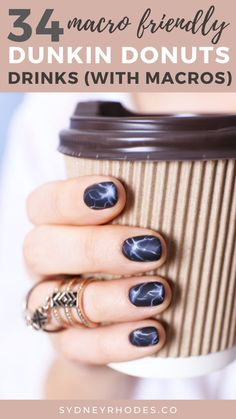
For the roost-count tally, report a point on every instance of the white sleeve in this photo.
(31, 158)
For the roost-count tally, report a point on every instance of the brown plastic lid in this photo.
(108, 131)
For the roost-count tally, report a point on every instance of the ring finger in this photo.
(51, 250)
(120, 300)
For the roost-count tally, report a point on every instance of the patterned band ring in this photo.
(67, 296)
(56, 310)
(68, 310)
(41, 317)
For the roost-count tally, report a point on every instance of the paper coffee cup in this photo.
(179, 173)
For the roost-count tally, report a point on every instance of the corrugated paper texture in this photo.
(193, 205)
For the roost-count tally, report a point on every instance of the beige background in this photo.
(225, 10)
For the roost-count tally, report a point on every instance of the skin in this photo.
(70, 238)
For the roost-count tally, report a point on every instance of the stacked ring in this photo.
(80, 306)
(41, 317)
(68, 311)
(56, 312)
(59, 305)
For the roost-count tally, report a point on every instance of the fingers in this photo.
(113, 343)
(117, 300)
(122, 250)
(63, 243)
(134, 298)
(126, 299)
(88, 200)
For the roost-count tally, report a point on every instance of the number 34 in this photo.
(42, 29)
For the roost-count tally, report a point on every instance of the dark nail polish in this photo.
(147, 336)
(101, 195)
(142, 248)
(147, 294)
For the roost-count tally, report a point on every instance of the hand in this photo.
(69, 237)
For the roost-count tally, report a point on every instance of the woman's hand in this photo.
(69, 237)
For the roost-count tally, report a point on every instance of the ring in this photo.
(80, 306)
(68, 309)
(41, 317)
(56, 313)
(62, 305)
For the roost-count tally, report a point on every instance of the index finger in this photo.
(87, 200)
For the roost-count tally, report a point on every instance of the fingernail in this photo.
(142, 248)
(101, 195)
(147, 294)
(146, 336)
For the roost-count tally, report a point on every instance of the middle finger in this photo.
(121, 250)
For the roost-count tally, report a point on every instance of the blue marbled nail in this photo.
(146, 336)
(142, 248)
(101, 195)
(147, 294)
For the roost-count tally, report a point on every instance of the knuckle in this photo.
(58, 202)
(31, 249)
(27, 247)
(90, 247)
(104, 350)
(64, 347)
(30, 207)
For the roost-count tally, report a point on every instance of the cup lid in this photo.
(109, 131)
